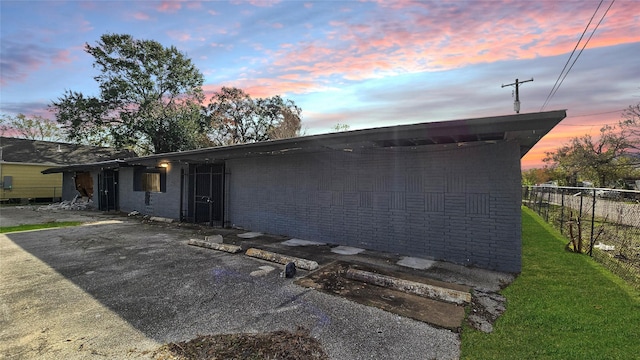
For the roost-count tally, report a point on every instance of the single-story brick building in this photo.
(441, 190)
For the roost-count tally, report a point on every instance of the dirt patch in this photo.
(485, 309)
(331, 279)
(283, 345)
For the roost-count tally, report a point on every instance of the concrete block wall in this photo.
(69, 191)
(458, 204)
(162, 204)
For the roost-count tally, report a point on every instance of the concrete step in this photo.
(333, 279)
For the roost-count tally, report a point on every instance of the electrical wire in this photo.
(559, 81)
(600, 113)
(583, 47)
(587, 125)
(570, 56)
(592, 114)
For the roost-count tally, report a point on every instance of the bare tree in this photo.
(236, 118)
(32, 128)
(630, 125)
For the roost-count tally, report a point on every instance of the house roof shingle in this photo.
(15, 150)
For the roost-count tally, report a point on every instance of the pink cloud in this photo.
(194, 5)
(263, 3)
(290, 76)
(266, 87)
(169, 6)
(62, 57)
(182, 36)
(431, 41)
(20, 60)
(85, 26)
(141, 16)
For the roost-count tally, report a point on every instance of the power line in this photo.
(600, 113)
(570, 56)
(592, 114)
(559, 83)
(585, 125)
(583, 47)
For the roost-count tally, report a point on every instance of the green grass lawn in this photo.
(8, 229)
(562, 306)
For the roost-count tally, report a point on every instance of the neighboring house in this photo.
(22, 162)
(441, 190)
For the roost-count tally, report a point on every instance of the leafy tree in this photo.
(33, 128)
(602, 159)
(150, 98)
(536, 176)
(284, 114)
(341, 127)
(631, 125)
(236, 118)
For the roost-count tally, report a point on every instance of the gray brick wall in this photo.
(165, 204)
(447, 203)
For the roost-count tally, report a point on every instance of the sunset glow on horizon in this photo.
(361, 63)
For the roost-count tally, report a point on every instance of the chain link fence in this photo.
(603, 223)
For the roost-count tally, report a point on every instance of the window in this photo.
(150, 179)
(151, 182)
(7, 183)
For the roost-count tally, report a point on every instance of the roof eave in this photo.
(526, 129)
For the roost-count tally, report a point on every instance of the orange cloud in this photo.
(569, 128)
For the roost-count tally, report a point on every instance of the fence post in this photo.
(562, 212)
(533, 198)
(546, 216)
(593, 221)
(580, 211)
(540, 202)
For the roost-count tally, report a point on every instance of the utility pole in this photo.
(516, 104)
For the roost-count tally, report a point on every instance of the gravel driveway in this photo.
(119, 289)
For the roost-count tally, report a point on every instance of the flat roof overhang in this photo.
(524, 129)
(110, 164)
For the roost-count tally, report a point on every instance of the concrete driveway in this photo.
(119, 289)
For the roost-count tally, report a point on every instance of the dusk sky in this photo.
(361, 63)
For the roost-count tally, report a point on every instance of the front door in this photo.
(206, 190)
(108, 190)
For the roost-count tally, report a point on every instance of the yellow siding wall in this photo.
(29, 182)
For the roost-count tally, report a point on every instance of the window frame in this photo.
(142, 179)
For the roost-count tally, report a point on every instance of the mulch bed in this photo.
(282, 345)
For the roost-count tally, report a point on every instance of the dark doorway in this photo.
(206, 194)
(108, 190)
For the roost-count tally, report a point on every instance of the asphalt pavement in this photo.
(119, 288)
